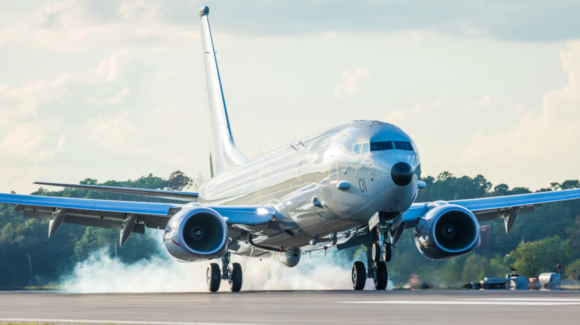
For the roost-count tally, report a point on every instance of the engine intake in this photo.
(197, 233)
(447, 231)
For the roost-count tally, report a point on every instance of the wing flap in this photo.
(85, 221)
(98, 213)
(521, 200)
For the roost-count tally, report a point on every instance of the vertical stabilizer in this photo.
(224, 153)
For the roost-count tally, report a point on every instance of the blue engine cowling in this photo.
(195, 234)
(447, 231)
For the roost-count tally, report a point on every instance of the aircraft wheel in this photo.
(359, 275)
(382, 277)
(376, 252)
(213, 277)
(386, 252)
(236, 277)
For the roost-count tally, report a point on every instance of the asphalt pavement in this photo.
(295, 307)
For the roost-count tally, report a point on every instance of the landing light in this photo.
(262, 211)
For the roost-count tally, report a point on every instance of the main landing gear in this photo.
(232, 273)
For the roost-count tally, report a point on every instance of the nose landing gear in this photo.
(377, 271)
(231, 273)
(378, 254)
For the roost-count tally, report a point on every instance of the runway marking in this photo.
(108, 321)
(523, 299)
(463, 302)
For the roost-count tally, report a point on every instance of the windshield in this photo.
(378, 146)
(402, 145)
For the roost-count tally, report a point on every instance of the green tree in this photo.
(449, 187)
(533, 258)
(573, 270)
(178, 181)
(574, 233)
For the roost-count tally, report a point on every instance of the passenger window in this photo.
(365, 148)
(357, 148)
(403, 145)
(379, 146)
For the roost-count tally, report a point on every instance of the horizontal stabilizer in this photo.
(171, 195)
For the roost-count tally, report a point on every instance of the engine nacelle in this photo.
(291, 258)
(196, 233)
(447, 231)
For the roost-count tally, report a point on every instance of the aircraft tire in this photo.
(213, 277)
(382, 277)
(236, 277)
(386, 251)
(359, 275)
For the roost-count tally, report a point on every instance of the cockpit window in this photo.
(379, 146)
(401, 145)
(365, 149)
(357, 148)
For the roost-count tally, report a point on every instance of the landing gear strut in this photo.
(229, 272)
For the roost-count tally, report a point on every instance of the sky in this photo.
(116, 89)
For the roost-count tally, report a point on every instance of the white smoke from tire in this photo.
(101, 273)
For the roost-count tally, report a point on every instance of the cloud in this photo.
(416, 107)
(396, 116)
(117, 99)
(71, 25)
(33, 143)
(546, 138)
(484, 101)
(48, 124)
(34, 100)
(350, 82)
(23, 102)
(77, 25)
(112, 133)
(506, 20)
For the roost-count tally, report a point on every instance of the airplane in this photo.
(351, 185)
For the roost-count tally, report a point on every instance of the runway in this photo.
(295, 307)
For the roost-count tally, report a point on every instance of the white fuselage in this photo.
(349, 186)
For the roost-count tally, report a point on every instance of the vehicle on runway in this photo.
(351, 185)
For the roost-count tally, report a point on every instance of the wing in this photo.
(127, 217)
(507, 207)
(173, 195)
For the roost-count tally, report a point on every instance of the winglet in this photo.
(203, 11)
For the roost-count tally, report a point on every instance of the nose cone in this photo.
(402, 173)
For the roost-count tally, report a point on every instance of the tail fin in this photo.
(224, 153)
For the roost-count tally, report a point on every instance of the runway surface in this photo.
(296, 307)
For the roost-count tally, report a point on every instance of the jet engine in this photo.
(195, 234)
(290, 258)
(447, 231)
